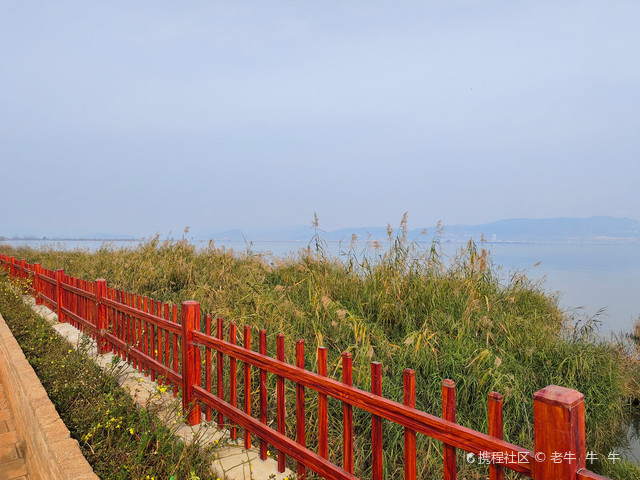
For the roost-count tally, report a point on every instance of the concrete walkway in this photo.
(12, 464)
(231, 461)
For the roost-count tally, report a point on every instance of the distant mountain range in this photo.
(519, 230)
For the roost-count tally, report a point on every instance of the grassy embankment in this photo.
(405, 307)
(120, 440)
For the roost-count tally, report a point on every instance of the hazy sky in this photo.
(144, 116)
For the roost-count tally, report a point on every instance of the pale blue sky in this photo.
(145, 116)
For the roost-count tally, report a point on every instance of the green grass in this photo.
(404, 306)
(120, 440)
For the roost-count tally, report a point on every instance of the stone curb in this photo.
(49, 450)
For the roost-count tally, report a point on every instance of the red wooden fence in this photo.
(149, 335)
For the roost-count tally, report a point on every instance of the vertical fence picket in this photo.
(159, 333)
(145, 329)
(176, 354)
(37, 268)
(140, 333)
(347, 416)
(127, 320)
(262, 349)
(152, 338)
(134, 327)
(207, 364)
(220, 370)
(167, 338)
(301, 437)
(59, 282)
(449, 413)
(376, 424)
(323, 424)
(233, 380)
(280, 400)
(247, 385)
(409, 399)
(101, 313)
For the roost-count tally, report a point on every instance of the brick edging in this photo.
(49, 450)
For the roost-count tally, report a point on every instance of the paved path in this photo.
(12, 466)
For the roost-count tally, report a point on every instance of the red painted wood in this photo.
(36, 282)
(167, 339)
(347, 416)
(409, 399)
(23, 269)
(280, 400)
(139, 304)
(159, 332)
(127, 319)
(220, 371)
(144, 316)
(262, 349)
(101, 324)
(558, 422)
(190, 364)
(323, 418)
(145, 335)
(496, 472)
(176, 355)
(133, 321)
(233, 385)
(316, 463)
(587, 475)
(173, 376)
(207, 365)
(247, 385)
(59, 282)
(449, 413)
(152, 337)
(376, 424)
(422, 422)
(301, 436)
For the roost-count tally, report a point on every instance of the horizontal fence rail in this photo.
(174, 346)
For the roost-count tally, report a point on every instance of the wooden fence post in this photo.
(496, 429)
(37, 268)
(101, 313)
(190, 315)
(558, 420)
(376, 425)
(449, 413)
(409, 394)
(12, 268)
(347, 415)
(59, 282)
(23, 269)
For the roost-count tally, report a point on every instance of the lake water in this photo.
(588, 278)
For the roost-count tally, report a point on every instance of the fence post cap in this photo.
(560, 396)
(190, 303)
